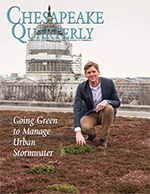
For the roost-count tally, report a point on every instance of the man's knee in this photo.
(107, 115)
(109, 110)
(86, 125)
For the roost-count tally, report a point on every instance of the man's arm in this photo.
(113, 99)
(77, 116)
(77, 108)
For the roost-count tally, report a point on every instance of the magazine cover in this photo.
(44, 100)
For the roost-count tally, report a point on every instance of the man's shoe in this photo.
(90, 137)
(103, 143)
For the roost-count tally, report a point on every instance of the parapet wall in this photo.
(123, 107)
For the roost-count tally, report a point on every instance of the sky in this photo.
(121, 45)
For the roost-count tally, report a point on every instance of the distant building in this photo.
(133, 90)
(46, 57)
(25, 89)
(13, 77)
(77, 65)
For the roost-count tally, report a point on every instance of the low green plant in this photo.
(104, 152)
(61, 150)
(132, 118)
(59, 187)
(75, 149)
(42, 168)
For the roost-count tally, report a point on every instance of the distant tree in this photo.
(54, 85)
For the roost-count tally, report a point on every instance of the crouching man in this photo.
(95, 104)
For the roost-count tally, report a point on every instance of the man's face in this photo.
(92, 74)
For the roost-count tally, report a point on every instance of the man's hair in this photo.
(90, 64)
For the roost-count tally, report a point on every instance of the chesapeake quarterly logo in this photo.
(37, 17)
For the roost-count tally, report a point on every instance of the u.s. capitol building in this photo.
(46, 57)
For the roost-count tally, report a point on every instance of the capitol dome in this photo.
(49, 55)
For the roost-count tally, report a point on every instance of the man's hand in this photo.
(101, 105)
(79, 138)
